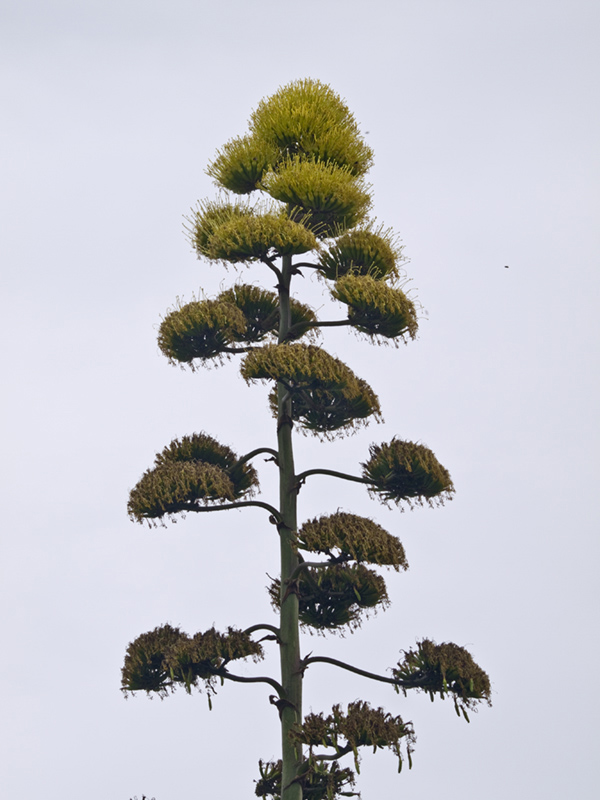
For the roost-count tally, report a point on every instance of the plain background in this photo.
(484, 121)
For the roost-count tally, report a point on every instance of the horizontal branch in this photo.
(305, 326)
(414, 684)
(256, 452)
(350, 668)
(258, 679)
(241, 504)
(271, 266)
(315, 565)
(238, 349)
(332, 323)
(263, 626)
(333, 473)
(340, 754)
(307, 265)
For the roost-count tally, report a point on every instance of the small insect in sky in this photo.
(506, 267)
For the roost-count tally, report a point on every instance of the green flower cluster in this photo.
(352, 538)
(360, 726)
(241, 232)
(188, 473)
(445, 669)
(332, 597)
(376, 253)
(308, 118)
(212, 329)
(319, 780)
(304, 119)
(326, 395)
(305, 157)
(376, 309)
(407, 472)
(162, 659)
(305, 151)
(323, 196)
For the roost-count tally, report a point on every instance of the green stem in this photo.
(414, 684)
(254, 453)
(350, 668)
(325, 324)
(340, 754)
(262, 626)
(331, 323)
(291, 674)
(227, 506)
(304, 475)
(306, 264)
(271, 266)
(258, 679)
(235, 350)
(315, 565)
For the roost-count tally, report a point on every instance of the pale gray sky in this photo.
(484, 121)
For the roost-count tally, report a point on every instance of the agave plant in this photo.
(293, 197)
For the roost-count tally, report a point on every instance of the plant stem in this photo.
(262, 626)
(326, 324)
(291, 674)
(350, 668)
(306, 264)
(257, 452)
(316, 565)
(416, 683)
(228, 506)
(340, 754)
(243, 679)
(304, 475)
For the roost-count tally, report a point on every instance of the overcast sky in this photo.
(484, 120)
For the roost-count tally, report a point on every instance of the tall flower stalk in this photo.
(293, 198)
